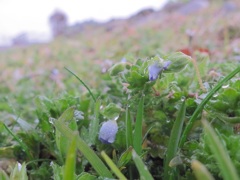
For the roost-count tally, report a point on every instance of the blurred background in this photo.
(34, 20)
(39, 38)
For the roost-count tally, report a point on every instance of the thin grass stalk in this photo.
(23, 145)
(90, 92)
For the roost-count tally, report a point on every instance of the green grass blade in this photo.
(129, 135)
(23, 145)
(61, 141)
(146, 134)
(137, 140)
(90, 155)
(70, 165)
(142, 169)
(90, 92)
(174, 140)
(220, 153)
(203, 103)
(94, 125)
(113, 167)
(200, 171)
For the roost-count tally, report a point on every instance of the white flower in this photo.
(154, 70)
(108, 132)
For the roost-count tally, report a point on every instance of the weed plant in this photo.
(152, 118)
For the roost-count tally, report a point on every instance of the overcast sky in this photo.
(18, 16)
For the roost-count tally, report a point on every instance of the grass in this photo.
(51, 115)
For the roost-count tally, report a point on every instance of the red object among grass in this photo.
(189, 52)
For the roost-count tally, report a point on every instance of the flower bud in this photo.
(108, 132)
(178, 62)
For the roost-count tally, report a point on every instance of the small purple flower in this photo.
(154, 71)
(108, 132)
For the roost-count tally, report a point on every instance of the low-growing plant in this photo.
(144, 124)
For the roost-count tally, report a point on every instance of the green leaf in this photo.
(19, 172)
(136, 80)
(61, 141)
(69, 170)
(129, 133)
(57, 171)
(137, 137)
(86, 176)
(174, 141)
(125, 157)
(178, 61)
(111, 111)
(93, 159)
(117, 68)
(203, 103)
(200, 171)
(113, 167)
(226, 119)
(94, 125)
(142, 169)
(220, 153)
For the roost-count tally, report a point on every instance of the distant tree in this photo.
(58, 23)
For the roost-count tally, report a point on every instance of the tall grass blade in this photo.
(220, 153)
(93, 159)
(113, 167)
(94, 125)
(203, 103)
(142, 169)
(174, 141)
(70, 165)
(129, 133)
(61, 141)
(137, 140)
(90, 92)
(200, 171)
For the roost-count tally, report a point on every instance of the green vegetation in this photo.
(122, 103)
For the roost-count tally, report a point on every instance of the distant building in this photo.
(58, 23)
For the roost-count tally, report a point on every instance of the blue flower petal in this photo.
(154, 70)
(108, 132)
